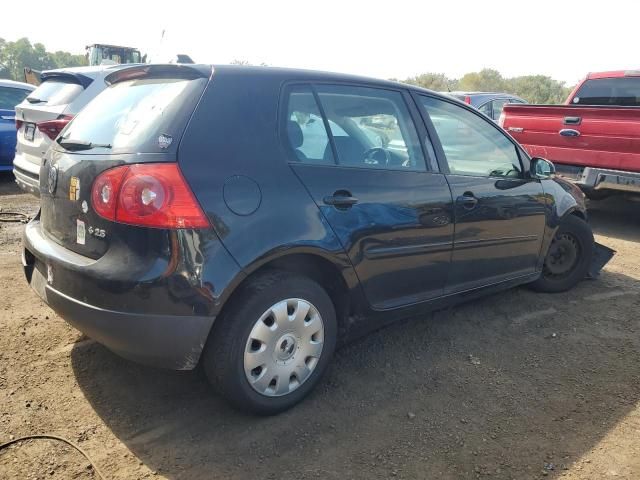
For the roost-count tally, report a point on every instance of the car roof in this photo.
(14, 84)
(295, 74)
(613, 74)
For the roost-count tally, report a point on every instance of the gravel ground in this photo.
(516, 386)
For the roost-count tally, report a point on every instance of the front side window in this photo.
(472, 145)
(371, 128)
(609, 91)
(10, 97)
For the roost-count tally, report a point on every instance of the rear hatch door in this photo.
(139, 118)
(47, 102)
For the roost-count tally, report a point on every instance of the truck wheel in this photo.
(272, 345)
(567, 261)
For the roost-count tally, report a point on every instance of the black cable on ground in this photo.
(60, 439)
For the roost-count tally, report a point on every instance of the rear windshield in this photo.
(623, 91)
(10, 97)
(56, 91)
(138, 116)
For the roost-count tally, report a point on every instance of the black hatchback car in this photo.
(250, 218)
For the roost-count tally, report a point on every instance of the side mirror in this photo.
(541, 168)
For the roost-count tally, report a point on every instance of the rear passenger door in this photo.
(357, 151)
(499, 210)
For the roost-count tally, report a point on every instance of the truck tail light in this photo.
(501, 119)
(52, 128)
(148, 194)
(18, 124)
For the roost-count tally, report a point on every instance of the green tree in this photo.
(532, 88)
(486, 80)
(539, 89)
(438, 82)
(14, 56)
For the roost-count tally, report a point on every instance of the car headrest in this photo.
(295, 134)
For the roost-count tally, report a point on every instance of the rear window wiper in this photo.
(76, 145)
(35, 100)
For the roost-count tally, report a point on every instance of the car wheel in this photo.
(273, 343)
(567, 261)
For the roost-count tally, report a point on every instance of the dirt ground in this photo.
(516, 386)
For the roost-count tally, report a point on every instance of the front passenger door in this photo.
(499, 210)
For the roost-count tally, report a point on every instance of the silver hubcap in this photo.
(284, 347)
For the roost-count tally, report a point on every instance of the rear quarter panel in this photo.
(609, 136)
(231, 157)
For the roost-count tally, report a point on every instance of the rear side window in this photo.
(10, 97)
(56, 91)
(609, 91)
(306, 133)
(371, 128)
(145, 115)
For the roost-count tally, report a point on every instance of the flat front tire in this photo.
(272, 345)
(568, 258)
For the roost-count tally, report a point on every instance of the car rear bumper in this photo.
(173, 341)
(27, 174)
(591, 178)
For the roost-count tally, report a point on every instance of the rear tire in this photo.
(569, 256)
(272, 345)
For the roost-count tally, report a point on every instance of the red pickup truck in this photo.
(594, 139)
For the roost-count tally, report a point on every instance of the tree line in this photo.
(14, 56)
(532, 88)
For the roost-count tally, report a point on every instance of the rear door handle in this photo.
(468, 200)
(569, 132)
(341, 199)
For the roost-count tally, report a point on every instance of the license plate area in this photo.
(29, 131)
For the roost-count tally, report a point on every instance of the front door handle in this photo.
(569, 132)
(468, 200)
(341, 199)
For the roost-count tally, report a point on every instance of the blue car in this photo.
(11, 94)
(489, 103)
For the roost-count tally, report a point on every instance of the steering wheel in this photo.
(377, 156)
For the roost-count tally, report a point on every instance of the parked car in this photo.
(46, 111)
(11, 94)
(594, 139)
(240, 217)
(489, 103)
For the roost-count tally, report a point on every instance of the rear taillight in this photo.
(501, 119)
(18, 124)
(467, 99)
(52, 128)
(147, 194)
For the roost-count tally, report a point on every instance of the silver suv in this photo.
(47, 110)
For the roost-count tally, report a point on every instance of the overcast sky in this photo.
(564, 39)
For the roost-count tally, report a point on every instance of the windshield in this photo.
(137, 116)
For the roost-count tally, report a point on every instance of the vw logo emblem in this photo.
(52, 180)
